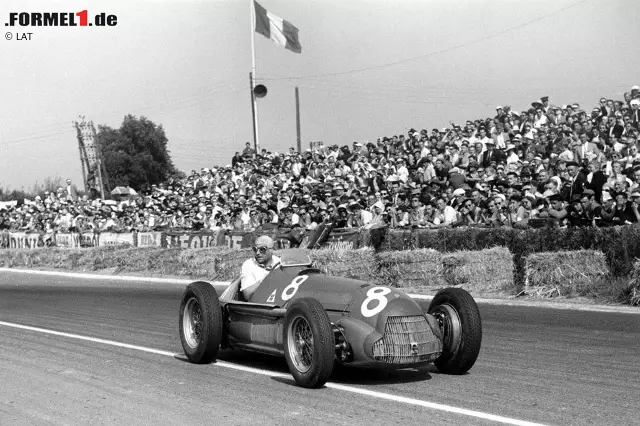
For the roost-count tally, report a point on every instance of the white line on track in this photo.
(373, 394)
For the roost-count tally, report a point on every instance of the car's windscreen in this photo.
(294, 257)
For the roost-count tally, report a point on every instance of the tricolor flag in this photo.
(277, 29)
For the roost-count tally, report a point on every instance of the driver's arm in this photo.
(248, 281)
(248, 292)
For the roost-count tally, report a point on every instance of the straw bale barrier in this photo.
(410, 268)
(489, 269)
(587, 273)
(564, 273)
(358, 264)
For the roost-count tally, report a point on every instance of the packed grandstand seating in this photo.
(549, 165)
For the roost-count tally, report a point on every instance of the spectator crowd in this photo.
(557, 165)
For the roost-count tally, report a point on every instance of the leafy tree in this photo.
(136, 154)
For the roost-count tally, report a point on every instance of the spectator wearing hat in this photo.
(491, 154)
(582, 150)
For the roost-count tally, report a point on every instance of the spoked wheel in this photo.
(300, 343)
(309, 343)
(459, 320)
(200, 323)
(193, 323)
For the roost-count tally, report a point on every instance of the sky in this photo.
(368, 68)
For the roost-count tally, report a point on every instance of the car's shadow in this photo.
(341, 374)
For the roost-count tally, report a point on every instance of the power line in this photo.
(19, 141)
(437, 52)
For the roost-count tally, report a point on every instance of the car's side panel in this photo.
(254, 330)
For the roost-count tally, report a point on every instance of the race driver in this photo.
(255, 270)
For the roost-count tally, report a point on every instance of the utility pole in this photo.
(298, 121)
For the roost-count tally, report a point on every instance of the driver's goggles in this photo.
(261, 250)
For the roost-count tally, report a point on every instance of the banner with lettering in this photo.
(20, 240)
(88, 239)
(116, 239)
(237, 240)
(182, 239)
(149, 239)
(343, 239)
(66, 240)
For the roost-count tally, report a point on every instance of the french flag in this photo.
(282, 32)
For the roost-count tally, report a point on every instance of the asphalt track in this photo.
(116, 359)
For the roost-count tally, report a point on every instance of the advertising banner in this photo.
(116, 239)
(66, 240)
(343, 239)
(237, 240)
(17, 240)
(88, 239)
(149, 239)
(33, 240)
(182, 239)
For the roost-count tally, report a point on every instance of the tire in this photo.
(200, 323)
(309, 343)
(461, 326)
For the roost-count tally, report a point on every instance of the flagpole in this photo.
(254, 104)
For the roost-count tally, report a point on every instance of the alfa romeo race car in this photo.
(315, 320)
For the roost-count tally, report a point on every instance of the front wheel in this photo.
(309, 343)
(200, 322)
(459, 320)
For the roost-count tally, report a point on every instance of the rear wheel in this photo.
(309, 343)
(200, 322)
(459, 320)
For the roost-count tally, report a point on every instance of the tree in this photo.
(136, 154)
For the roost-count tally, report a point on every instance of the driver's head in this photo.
(263, 249)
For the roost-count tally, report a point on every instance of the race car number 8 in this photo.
(377, 295)
(291, 290)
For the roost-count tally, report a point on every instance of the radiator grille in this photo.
(407, 340)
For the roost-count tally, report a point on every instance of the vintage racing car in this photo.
(315, 320)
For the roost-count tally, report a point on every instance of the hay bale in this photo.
(399, 239)
(564, 273)
(410, 268)
(200, 263)
(349, 263)
(228, 263)
(488, 269)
